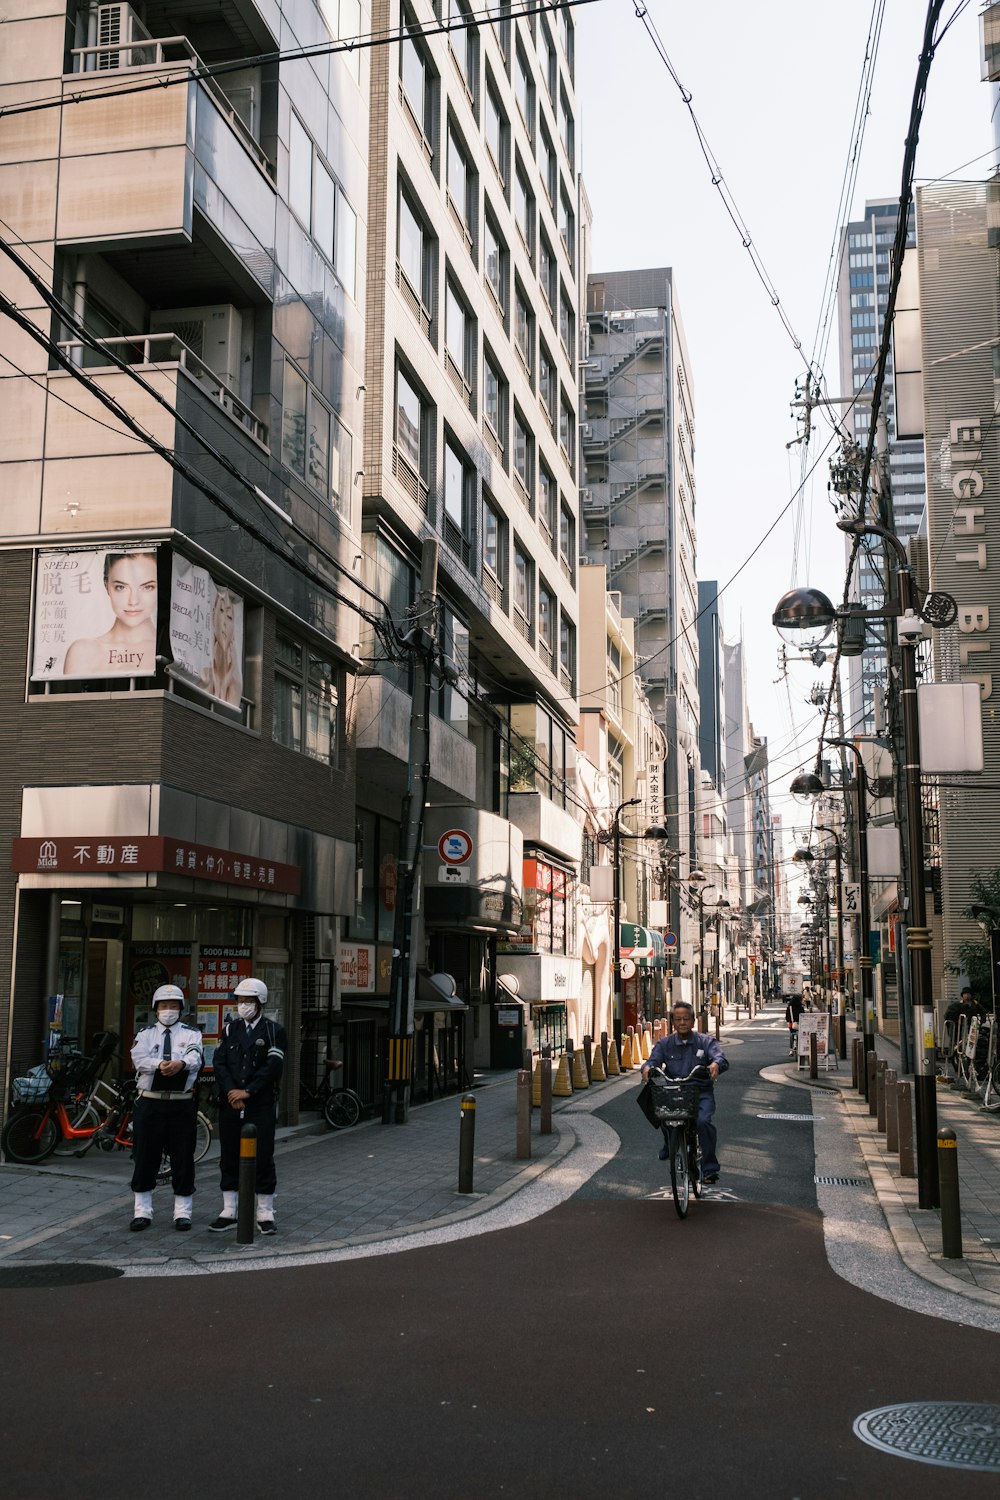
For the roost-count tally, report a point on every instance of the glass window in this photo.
(547, 498)
(494, 397)
(497, 131)
(293, 421)
(547, 164)
(347, 237)
(523, 453)
(524, 326)
(455, 328)
(567, 537)
(459, 179)
(524, 91)
(567, 651)
(546, 58)
(546, 617)
(566, 428)
(350, 26)
(566, 125)
(567, 323)
(318, 423)
(300, 159)
(454, 486)
(341, 475)
(410, 246)
(522, 581)
(496, 263)
(567, 225)
(460, 41)
(408, 420)
(307, 697)
(324, 209)
(413, 75)
(547, 271)
(524, 208)
(491, 539)
(546, 382)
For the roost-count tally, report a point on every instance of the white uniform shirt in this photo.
(147, 1051)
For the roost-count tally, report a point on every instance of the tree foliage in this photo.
(973, 957)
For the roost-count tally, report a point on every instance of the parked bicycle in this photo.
(675, 1108)
(340, 1107)
(70, 1123)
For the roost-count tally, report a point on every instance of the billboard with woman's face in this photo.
(206, 632)
(95, 614)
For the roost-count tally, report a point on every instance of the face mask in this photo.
(168, 1017)
(247, 1010)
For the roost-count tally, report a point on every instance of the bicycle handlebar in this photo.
(694, 1073)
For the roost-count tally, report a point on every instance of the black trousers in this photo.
(261, 1112)
(160, 1125)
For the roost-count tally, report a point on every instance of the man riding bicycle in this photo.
(678, 1054)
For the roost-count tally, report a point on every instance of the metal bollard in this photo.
(951, 1208)
(545, 1113)
(907, 1162)
(588, 1046)
(703, 1019)
(871, 1092)
(813, 1055)
(855, 1068)
(718, 1014)
(523, 1115)
(246, 1203)
(467, 1143)
(842, 1034)
(880, 1094)
(527, 1059)
(604, 1051)
(891, 1111)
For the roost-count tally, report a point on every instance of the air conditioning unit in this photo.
(586, 496)
(117, 27)
(214, 334)
(586, 432)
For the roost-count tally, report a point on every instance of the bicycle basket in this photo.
(68, 1069)
(31, 1087)
(675, 1101)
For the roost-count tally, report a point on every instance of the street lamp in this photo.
(615, 836)
(809, 611)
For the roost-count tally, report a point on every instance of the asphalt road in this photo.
(605, 1349)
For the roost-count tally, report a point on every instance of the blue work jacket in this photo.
(678, 1059)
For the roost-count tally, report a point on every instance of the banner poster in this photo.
(95, 614)
(815, 1023)
(149, 966)
(206, 632)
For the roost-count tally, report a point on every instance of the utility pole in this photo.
(422, 640)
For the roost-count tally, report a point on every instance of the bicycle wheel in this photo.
(679, 1178)
(30, 1135)
(82, 1116)
(202, 1141)
(342, 1109)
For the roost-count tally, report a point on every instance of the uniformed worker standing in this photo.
(167, 1059)
(248, 1063)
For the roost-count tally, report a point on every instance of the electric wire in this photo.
(364, 41)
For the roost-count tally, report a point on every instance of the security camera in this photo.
(911, 627)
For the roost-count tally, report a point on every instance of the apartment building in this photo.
(180, 596)
(471, 440)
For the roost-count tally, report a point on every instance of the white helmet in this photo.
(252, 989)
(168, 992)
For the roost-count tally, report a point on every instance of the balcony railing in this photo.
(152, 52)
(161, 351)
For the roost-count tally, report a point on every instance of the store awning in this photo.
(643, 945)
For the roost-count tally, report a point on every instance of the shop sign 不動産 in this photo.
(152, 854)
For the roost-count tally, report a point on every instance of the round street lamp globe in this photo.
(805, 786)
(804, 618)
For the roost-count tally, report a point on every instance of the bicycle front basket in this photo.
(675, 1101)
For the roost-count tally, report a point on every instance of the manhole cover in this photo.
(789, 1117)
(55, 1275)
(951, 1434)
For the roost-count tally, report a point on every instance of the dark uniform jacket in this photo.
(251, 1058)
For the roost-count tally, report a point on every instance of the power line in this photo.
(363, 42)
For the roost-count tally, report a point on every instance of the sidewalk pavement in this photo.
(341, 1189)
(335, 1189)
(916, 1231)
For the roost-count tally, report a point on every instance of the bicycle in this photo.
(675, 1108)
(34, 1132)
(340, 1107)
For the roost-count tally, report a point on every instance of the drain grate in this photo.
(56, 1274)
(840, 1181)
(951, 1434)
(789, 1117)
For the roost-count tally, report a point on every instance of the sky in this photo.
(774, 85)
